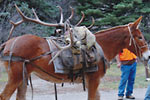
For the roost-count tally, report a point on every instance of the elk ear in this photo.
(136, 24)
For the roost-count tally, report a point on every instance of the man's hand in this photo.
(118, 61)
(118, 65)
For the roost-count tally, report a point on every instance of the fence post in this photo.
(147, 73)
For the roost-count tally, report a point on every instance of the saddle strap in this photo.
(11, 52)
(55, 87)
(103, 58)
(83, 68)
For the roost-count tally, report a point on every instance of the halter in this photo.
(135, 44)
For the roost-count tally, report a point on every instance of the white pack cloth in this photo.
(86, 36)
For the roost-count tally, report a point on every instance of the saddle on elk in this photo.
(72, 58)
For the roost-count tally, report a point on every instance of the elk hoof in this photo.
(0, 98)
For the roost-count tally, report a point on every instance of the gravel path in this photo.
(44, 90)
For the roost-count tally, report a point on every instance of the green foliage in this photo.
(123, 6)
(3, 77)
(137, 1)
(109, 19)
(107, 13)
(4, 14)
(44, 8)
(47, 31)
(116, 12)
(45, 11)
(93, 12)
(127, 19)
(145, 10)
(147, 36)
(24, 6)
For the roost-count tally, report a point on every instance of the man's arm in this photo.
(118, 61)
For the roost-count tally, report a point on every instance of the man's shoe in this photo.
(130, 97)
(147, 79)
(120, 97)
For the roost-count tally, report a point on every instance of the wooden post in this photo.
(147, 73)
(0, 72)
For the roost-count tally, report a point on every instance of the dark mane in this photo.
(109, 29)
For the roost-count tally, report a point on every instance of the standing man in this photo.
(126, 61)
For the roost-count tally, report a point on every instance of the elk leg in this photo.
(9, 89)
(92, 85)
(21, 92)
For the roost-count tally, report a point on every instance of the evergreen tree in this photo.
(109, 13)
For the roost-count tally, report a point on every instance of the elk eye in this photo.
(75, 36)
(140, 38)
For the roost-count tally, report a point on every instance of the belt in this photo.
(128, 62)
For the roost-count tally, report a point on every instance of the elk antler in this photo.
(61, 49)
(83, 15)
(93, 21)
(72, 13)
(36, 20)
(61, 15)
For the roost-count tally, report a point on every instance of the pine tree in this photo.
(109, 13)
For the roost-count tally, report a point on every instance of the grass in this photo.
(112, 78)
(3, 77)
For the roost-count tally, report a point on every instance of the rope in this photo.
(55, 87)
(83, 68)
(135, 44)
(11, 52)
(25, 73)
(31, 85)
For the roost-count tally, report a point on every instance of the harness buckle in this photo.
(26, 61)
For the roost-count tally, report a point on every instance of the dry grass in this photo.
(112, 78)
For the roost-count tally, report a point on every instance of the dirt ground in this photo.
(44, 90)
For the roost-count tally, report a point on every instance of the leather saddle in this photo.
(68, 60)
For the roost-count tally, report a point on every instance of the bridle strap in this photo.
(132, 39)
(131, 36)
(135, 44)
(144, 46)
